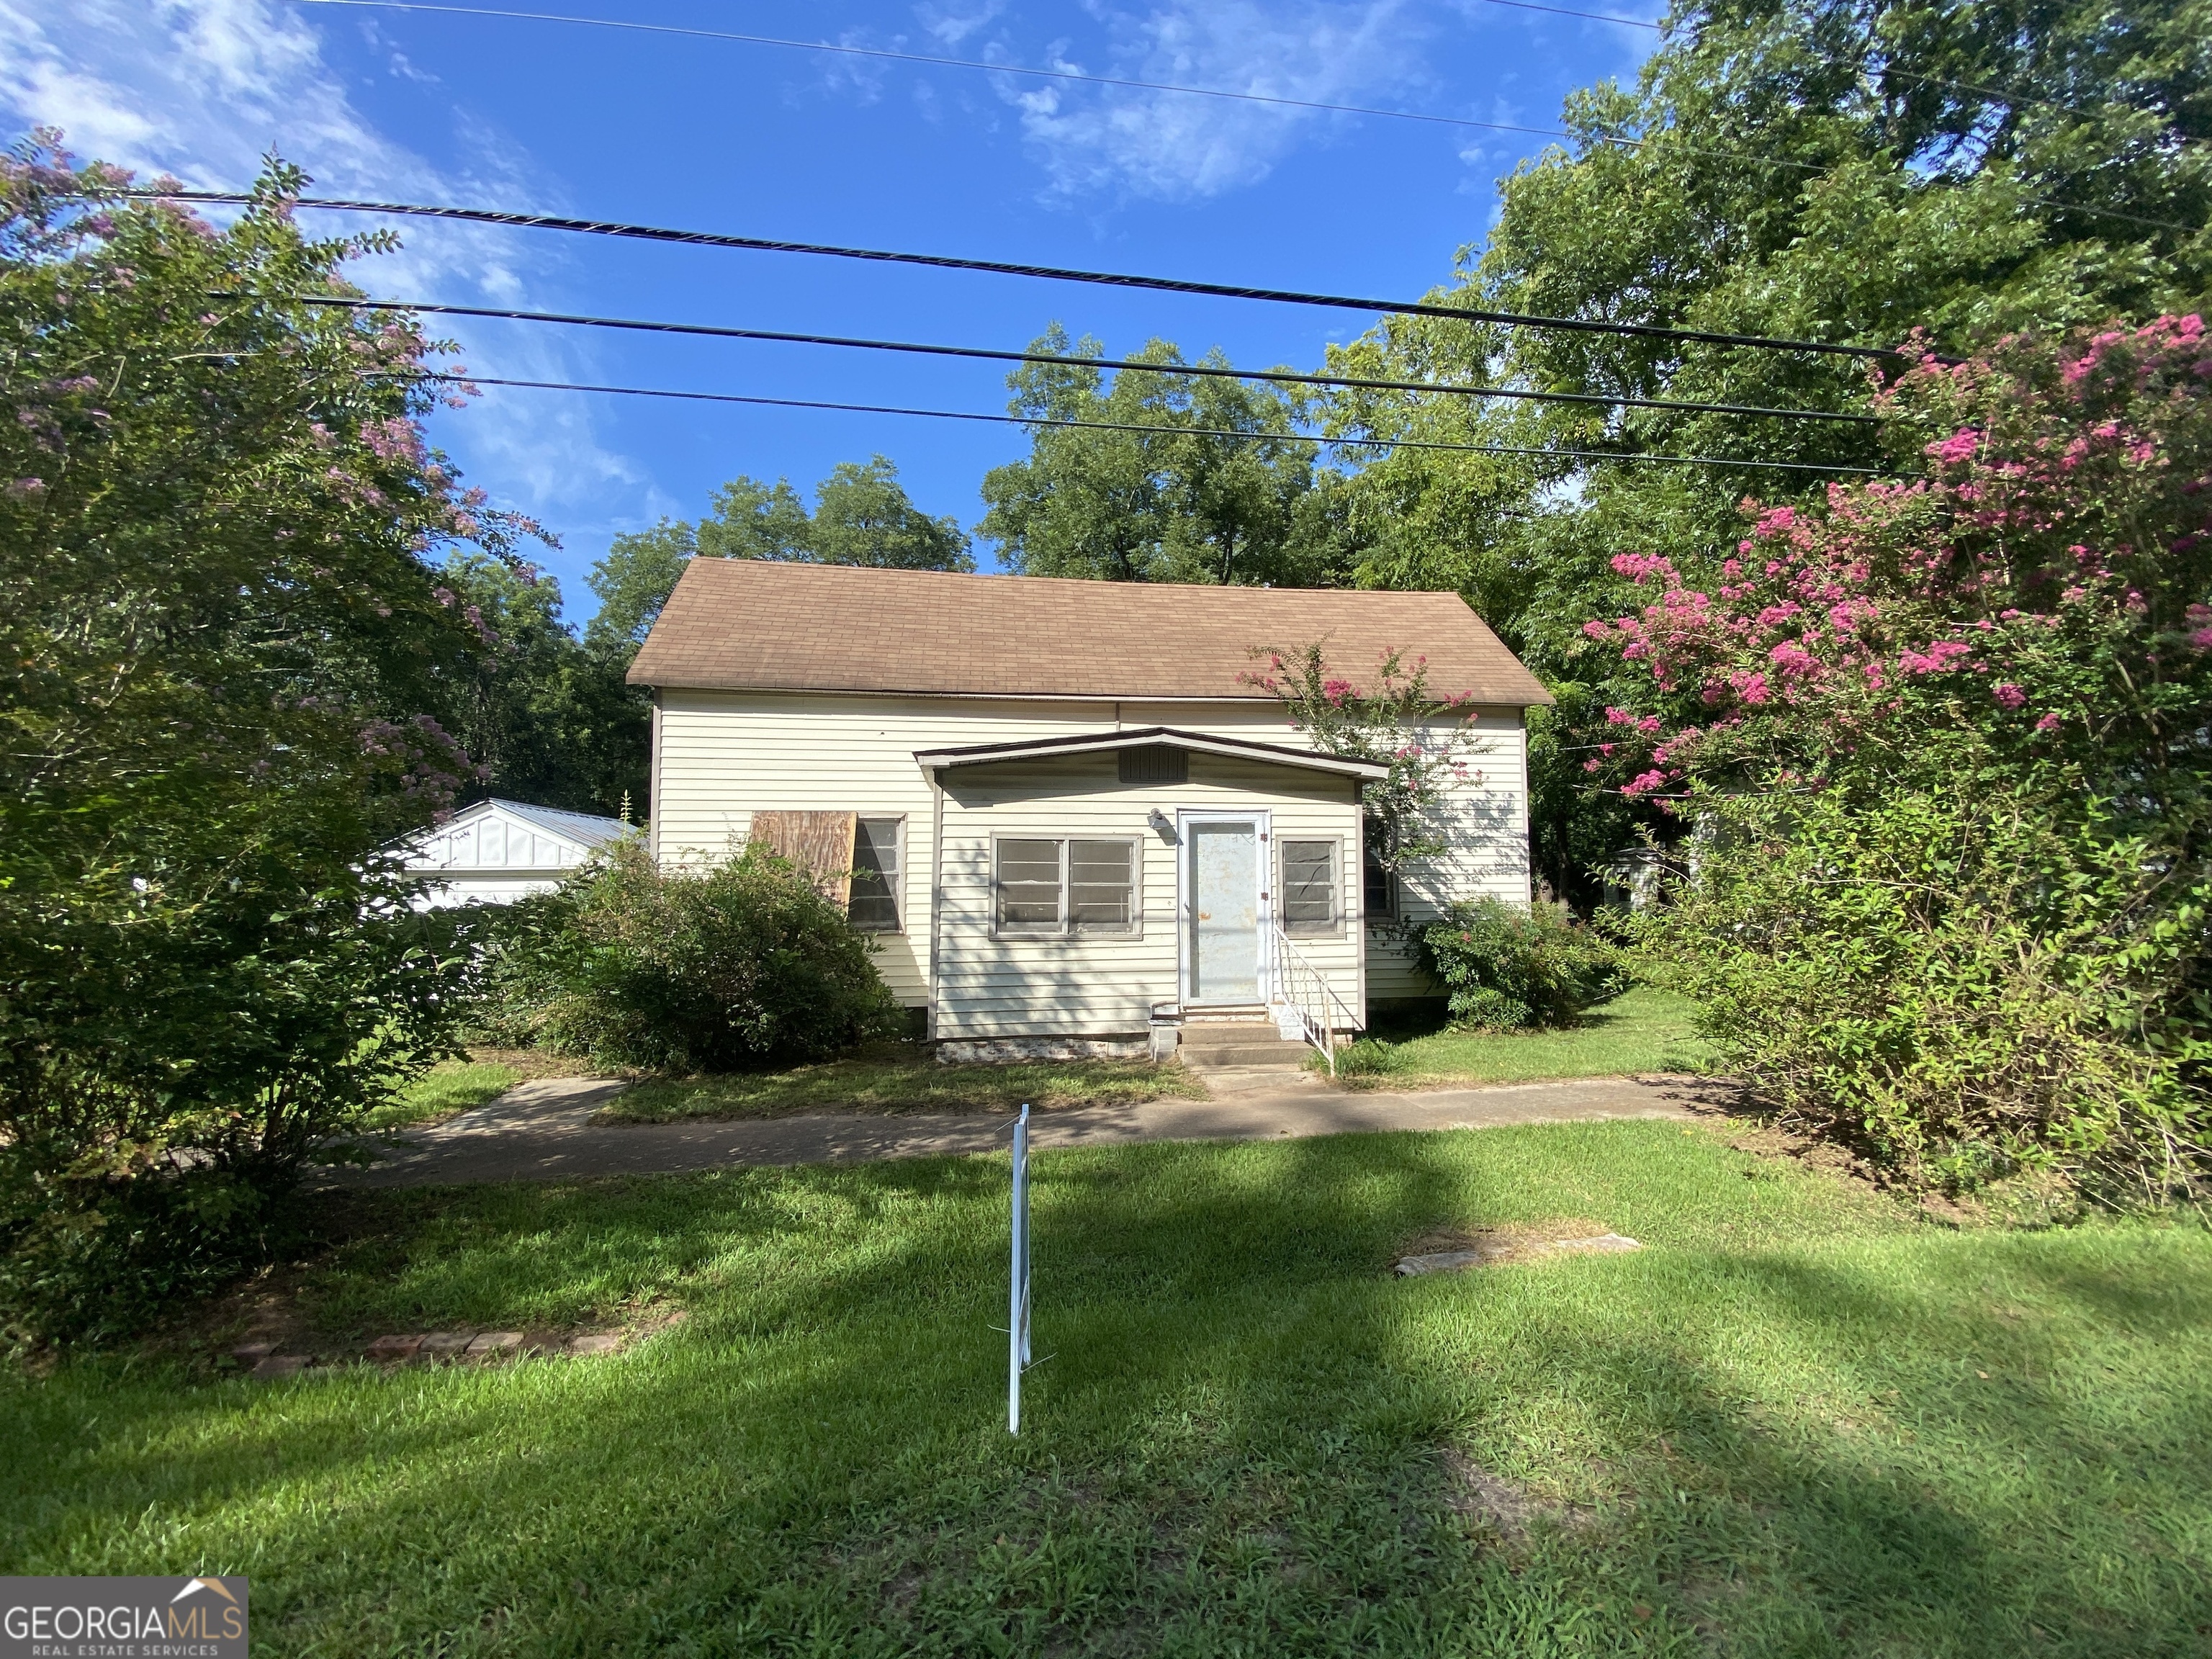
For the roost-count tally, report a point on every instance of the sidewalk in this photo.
(540, 1130)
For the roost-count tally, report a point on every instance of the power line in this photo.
(1118, 364)
(1123, 426)
(1047, 273)
(1567, 11)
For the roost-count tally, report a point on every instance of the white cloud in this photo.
(1175, 146)
(204, 89)
(949, 25)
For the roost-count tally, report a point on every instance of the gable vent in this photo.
(1155, 764)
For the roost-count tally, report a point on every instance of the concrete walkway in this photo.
(541, 1130)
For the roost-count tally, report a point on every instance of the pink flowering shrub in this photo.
(1940, 741)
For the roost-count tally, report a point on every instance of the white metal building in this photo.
(497, 851)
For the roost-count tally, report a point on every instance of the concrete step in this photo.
(1289, 1057)
(1241, 1044)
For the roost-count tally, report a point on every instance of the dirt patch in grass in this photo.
(277, 1309)
(1530, 1240)
(1507, 1508)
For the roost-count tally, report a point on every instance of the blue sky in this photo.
(809, 146)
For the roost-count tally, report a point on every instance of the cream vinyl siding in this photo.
(992, 983)
(721, 755)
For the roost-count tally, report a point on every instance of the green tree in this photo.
(545, 717)
(1168, 498)
(220, 635)
(1835, 172)
(861, 516)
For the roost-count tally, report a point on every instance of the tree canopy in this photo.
(1179, 492)
(861, 516)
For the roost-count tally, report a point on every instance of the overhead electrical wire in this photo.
(1047, 273)
(845, 50)
(1130, 426)
(1117, 364)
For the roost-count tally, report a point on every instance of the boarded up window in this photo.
(819, 842)
(1155, 764)
(874, 905)
(1308, 887)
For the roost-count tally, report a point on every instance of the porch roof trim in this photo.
(1151, 737)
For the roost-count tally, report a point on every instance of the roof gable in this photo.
(747, 625)
(509, 834)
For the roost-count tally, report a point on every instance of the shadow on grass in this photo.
(1237, 1444)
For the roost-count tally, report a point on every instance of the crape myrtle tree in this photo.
(1944, 742)
(221, 624)
(1836, 170)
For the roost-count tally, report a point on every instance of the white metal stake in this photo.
(1018, 1323)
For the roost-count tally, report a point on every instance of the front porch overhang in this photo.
(1151, 736)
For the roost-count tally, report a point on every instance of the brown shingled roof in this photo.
(741, 624)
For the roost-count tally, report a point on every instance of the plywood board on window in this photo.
(821, 843)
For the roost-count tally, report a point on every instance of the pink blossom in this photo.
(2048, 723)
(1959, 446)
(1636, 567)
(2009, 694)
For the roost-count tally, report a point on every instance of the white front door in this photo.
(1225, 907)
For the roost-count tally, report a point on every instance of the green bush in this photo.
(1506, 967)
(220, 635)
(740, 965)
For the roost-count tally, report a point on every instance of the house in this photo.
(1071, 823)
(497, 851)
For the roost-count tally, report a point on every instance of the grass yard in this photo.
(1642, 1030)
(1802, 1421)
(899, 1077)
(450, 1086)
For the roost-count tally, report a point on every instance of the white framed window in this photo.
(1311, 885)
(879, 850)
(1059, 887)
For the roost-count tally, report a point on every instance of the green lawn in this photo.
(1642, 1030)
(1802, 1422)
(899, 1077)
(450, 1086)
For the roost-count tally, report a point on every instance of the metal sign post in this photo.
(1018, 1324)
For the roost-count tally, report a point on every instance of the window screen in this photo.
(1028, 885)
(874, 903)
(1308, 887)
(1102, 883)
(1381, 887)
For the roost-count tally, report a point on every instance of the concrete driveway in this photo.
(541, 1130)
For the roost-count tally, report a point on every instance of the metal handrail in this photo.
(1320, 1027)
